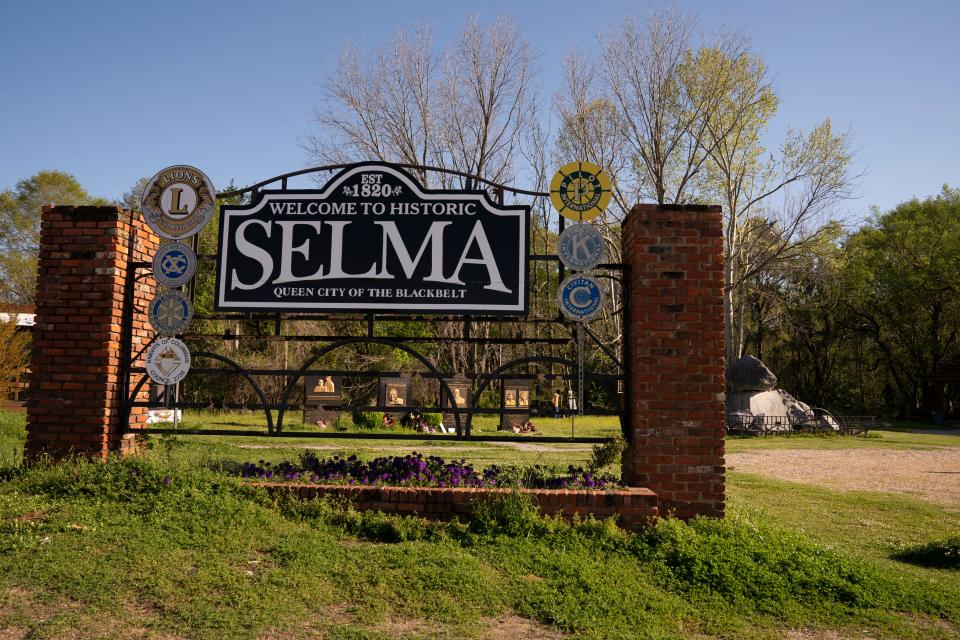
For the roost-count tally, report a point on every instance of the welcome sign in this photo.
(373, 239)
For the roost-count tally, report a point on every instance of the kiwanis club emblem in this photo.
(170, 312)
(580, 247)
(168, 361)
(174, 264)
(178, 202)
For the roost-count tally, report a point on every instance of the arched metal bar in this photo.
(334, 167)
(264, 403)
(513, 363)
(142, 349)
(364, 340)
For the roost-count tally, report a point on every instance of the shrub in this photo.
(433, 419)
(939, 554)
(607, 454)
(344, 422)
(368, 419)
(512, 514)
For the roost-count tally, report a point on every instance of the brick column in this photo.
(674, 258)
(75, 386)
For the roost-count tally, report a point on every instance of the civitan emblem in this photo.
(174, 264)
(178, 202)
(580, 191)
(580, 297)
(170, 312)
(168, 361)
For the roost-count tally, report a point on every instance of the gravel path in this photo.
(929, 475)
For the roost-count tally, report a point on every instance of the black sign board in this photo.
(373, 239)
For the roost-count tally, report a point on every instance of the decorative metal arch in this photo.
(264, 403)
(361, 340)
(252, 189)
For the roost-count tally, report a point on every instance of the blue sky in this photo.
(112, 91)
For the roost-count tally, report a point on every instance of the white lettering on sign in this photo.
(333, 247)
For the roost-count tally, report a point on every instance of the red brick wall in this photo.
(633, 508)
(674, 258)
(75, 393)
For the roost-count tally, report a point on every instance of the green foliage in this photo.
(432, 419)
(204, 556)
(607, 454)
(14, 355)
(344, 422)
(940, 554)
(20, 210)
(13, 436)
(754, 566)
(368, 419)
(902, 283)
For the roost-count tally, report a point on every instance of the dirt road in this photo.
(932, 475)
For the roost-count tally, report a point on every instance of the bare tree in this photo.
(463, 109)
(690, 122)
(664, 105)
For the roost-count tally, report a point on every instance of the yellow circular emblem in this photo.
(580, 191)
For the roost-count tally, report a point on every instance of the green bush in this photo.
(433, 419)
(607, 454)
(344, 422)
(939, 554)
(368, 419)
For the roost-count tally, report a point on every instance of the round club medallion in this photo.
(174, 264)
(580, 191)
(170, 312)
(168, 361)
(178, 202)
(580, 247)
(580, 297)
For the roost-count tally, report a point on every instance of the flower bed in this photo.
(415, 470)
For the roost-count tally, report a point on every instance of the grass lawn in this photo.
(115, 550)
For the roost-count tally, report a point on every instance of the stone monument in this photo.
(514, 403)
(322, 394)
(394, 392)
(461, 399)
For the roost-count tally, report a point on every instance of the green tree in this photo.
(904, 287)
(20, 210)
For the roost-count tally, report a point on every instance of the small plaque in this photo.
(168, 361)
(459, 396)
(178, 202)
(323, 388)
(174, 264)
(580, 297)
(395, 395)
(394, 392)
(170, 312)
(580, 247)
(580, 191)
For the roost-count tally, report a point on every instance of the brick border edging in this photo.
(634, 507)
